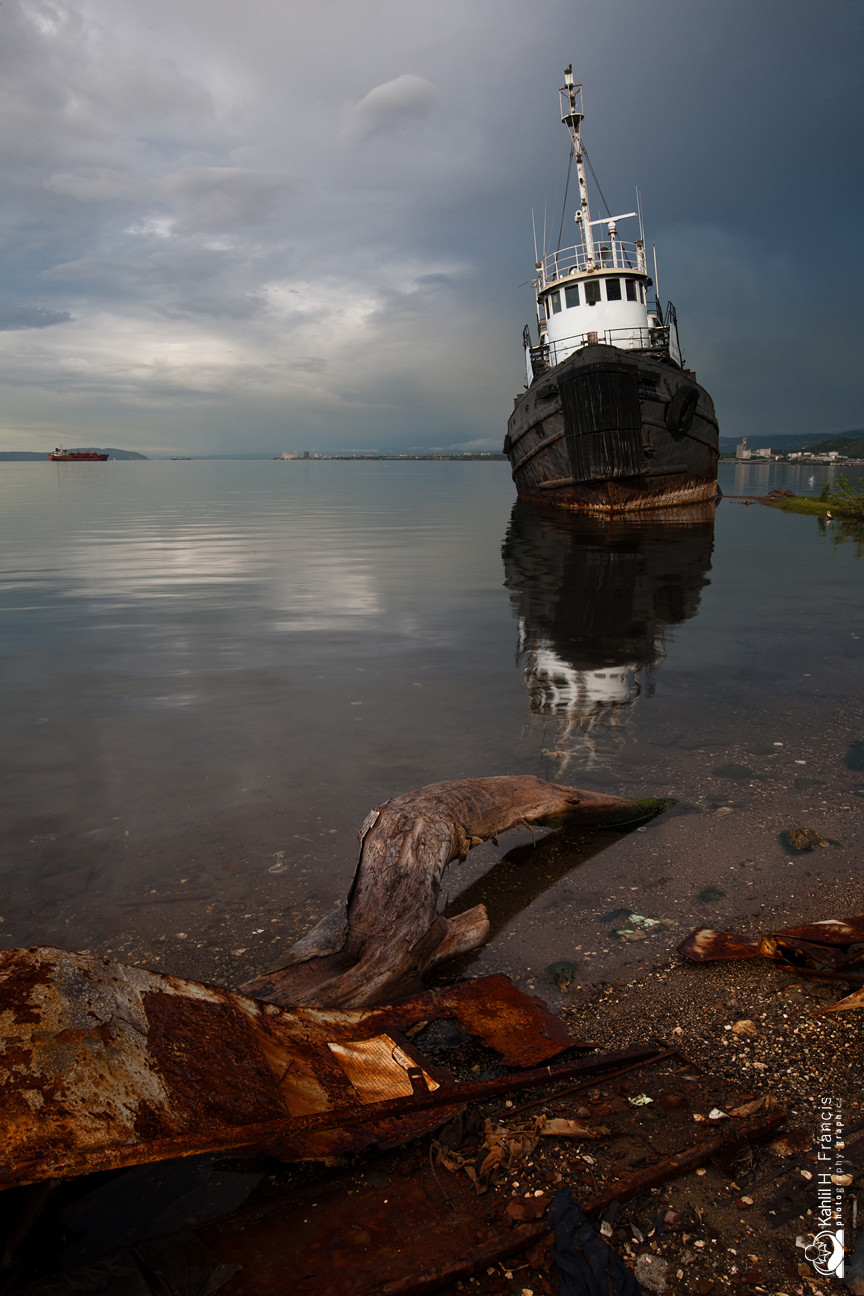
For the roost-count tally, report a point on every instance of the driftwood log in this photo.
(378, 945)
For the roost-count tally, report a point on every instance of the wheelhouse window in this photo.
(613, 289)
(642, 293)
(571, 295)
(592, 292)
(630, 285)
(555, 299)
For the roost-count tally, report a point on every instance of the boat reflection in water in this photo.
(594, 599)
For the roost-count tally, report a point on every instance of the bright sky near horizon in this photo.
(286, 226)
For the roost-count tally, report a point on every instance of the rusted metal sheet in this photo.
(103, 1066)
(359, 1233)
(830, 932)
(831, 944)
(705, 945)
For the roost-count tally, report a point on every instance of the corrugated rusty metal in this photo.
(103, 1066)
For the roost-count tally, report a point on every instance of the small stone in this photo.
(701, 1171)
(804, 839)
(747, 1202)
(561, 975)
(842, 1180)
(650, 1273)
(744, 1027)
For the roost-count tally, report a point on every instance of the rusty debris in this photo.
(318, 1232)
(506, 1146)
(854, 1000)
(353, 1229)
(832, 946)
(104, 1066)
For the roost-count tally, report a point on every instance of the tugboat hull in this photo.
(613, 431)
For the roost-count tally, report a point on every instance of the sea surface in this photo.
(211, 671)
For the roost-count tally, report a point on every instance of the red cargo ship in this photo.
(76, 456)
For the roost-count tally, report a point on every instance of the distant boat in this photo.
(611, 420)
(59, 455)
(181, 458)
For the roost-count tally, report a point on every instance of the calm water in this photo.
(212, 670)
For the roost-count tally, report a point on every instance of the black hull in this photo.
(613, 431)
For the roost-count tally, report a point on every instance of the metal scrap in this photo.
(345, 1249)
(831, 946)
(507, 1146)
(854, 1000)
(104, 1066)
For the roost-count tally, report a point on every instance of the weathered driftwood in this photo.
(378, 945)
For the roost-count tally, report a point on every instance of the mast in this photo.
(570, 96)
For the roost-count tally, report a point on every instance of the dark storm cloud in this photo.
(312, 222)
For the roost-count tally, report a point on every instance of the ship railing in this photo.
(628, 339)
(609, 254)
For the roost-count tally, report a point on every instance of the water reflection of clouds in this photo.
(308, 580)
(156, 564)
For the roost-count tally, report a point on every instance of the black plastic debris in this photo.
(588, 1267)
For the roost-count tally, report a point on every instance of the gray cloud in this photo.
(248, 237)
(96, 184)
(14, 317)
(220, 198)
(390, 106)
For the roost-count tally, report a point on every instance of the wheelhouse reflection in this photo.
(594, 600)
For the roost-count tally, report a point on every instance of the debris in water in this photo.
(638, 927)
(804, 839)
(561, 974)
(711, 894)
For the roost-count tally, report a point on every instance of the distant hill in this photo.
(851, 446)
(19, 455)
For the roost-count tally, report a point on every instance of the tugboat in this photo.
(611, 420)
(59, 455)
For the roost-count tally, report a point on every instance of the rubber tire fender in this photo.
(681, 408)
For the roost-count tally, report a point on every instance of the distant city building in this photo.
(286, 455)
(305, 454)
(741, 452)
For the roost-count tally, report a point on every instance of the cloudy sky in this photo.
(276, 225)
